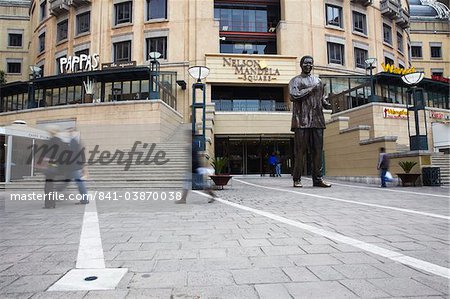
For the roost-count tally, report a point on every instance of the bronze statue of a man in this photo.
(307, 95)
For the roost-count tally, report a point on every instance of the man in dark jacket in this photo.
(307, 94)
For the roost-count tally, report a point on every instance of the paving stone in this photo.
(437, 283)
(34, 268)
(138, 266)
(149, 294)
(59, 295)
(126, 247)
(3, 267)
(31, 283)
(326, 272)
(176, 254)
(228, 263)
(17, 296)
(287, 241)
(253, 276)
(403, 287)
(6, 280)
(363, 288)
(225, 292)
(397, 269)
(319, 240)
(244, 252)
(254, 242)
(135, 255)
(271, 291)
(160, 245)
(210, 278)
(319, 289)
(360, 271)
(107, 294)
(314, 259)
(213, 253)
(282, 250)
(270, 261)
(355, 258)
(300, 274)
(319, 248)
(158, 280)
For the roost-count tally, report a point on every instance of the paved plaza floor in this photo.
(260, 239)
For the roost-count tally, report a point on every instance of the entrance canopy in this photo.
(22, 130)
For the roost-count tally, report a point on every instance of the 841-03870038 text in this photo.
(102, 196)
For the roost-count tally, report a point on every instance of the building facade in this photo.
(252, 49)
(15, 39)
(430, 38)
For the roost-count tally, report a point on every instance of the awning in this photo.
(21, 130)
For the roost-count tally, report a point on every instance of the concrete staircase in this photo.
(443, 162)
(113, 176)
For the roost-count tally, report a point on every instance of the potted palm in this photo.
(407, 177)
(220, 178)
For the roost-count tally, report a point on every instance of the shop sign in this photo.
(251, 70)
(397, 113)
(118, 65)
(396, 70)
(440, 116)
(440, 78)
(83, 63)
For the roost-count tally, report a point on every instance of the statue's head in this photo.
(307, 63)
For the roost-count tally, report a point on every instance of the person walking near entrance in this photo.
(278, 166)
(383, 166)
(76, 165)
(307, 94)
(272, 164)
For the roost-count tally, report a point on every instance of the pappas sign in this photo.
(398, 113)
(83, 63)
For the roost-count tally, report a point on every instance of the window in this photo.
(399, 41)
(83, 22)
(335, 53)
(436, 52)
(387, 34)
(359, 22)
(156, 9)
(334, 15)
(401, 66)
(416, 51)
(15, 40)
(58, 65)
(42, 42)
(360, 58)
(388, 60)
(43, 9)
(14, 68)
(62, 30)
(122, 51)
(248, 47)
(437, 73)
(79, 53)
(123, 12)
(157, 44)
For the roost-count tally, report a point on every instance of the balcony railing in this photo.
(59, 7)
(251, 105)
(403, 19)
(247, 26)
(390, 8)
(363, 2)
(79, 2)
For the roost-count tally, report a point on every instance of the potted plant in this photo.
(407, 177)
(89, 88)
(220, 178)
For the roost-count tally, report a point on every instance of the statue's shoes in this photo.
(322, 184)
(297, 184)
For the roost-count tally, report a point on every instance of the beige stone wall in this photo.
(14, 18)
(349, 150)
(252, 123)
(427, 32)
(115, 125)
(372, 115)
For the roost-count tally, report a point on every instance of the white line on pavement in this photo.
(390, 254)
(90, 250)
(349, 201)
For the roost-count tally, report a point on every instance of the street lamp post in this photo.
(35, 73)
(370, 65)
(199, 73)
(154, 75)
(417, 141)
